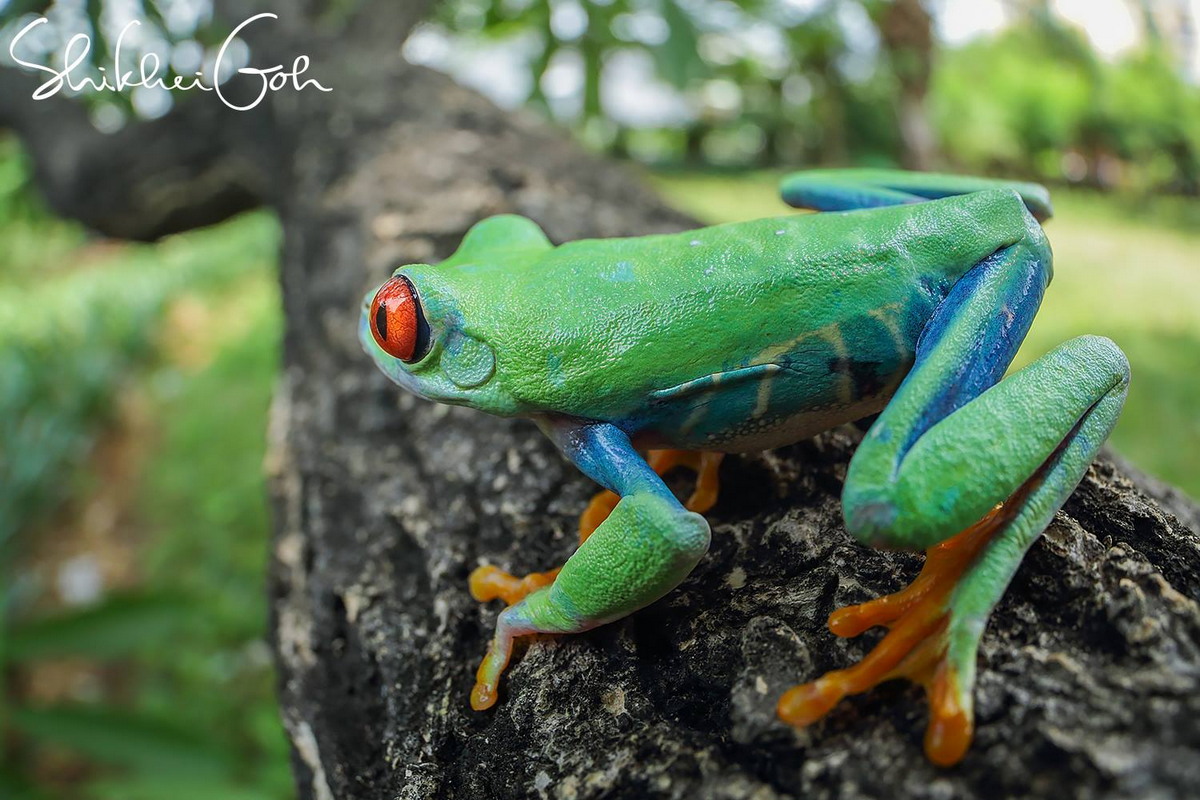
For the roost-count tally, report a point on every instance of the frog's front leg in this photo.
(489, 582)
(956, 452)
(644, 549)
(705, 463)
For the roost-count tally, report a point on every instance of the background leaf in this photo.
(147, 745)
(114, 627)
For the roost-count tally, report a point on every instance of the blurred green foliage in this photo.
(776, 83)
(765, 80)
(1041, 104)
(70, 335)
(81, 325)
(205, 493)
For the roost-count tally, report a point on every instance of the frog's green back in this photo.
(593, 328)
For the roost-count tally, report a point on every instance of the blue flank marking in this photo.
(999, 337)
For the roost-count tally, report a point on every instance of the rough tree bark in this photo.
(1090, 669)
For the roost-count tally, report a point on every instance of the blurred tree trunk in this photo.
(1090, 673)
(829, 101)
(906, 31)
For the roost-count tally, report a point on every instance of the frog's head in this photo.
(414, 328)
(443, 331)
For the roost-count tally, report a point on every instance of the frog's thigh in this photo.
(953, 443)
(1042, 425)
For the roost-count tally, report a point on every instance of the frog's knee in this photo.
(881, 516)
(1104, 360)
(871, 519)
(684, 533)
(691, 536)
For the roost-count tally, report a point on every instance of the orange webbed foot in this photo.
(915, 648)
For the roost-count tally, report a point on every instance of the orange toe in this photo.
(803, 705)
(483, 696)
(707, 466)
(489, 583)
(915, 649)
(950, 724)
(596, 512)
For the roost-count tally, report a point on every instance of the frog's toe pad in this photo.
(489, 583)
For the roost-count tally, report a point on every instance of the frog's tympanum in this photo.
(906, 298)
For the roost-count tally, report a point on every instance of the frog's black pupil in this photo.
(381, 322)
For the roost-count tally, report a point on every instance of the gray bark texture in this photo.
(1089, 682)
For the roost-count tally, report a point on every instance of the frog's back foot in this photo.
(922, 625)
(852, 189)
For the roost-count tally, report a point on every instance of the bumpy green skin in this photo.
(753, 335)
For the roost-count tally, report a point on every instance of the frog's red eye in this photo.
(397, 322)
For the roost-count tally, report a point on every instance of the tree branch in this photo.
(203, 162)
(189, 168)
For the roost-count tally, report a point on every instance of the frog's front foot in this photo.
(930, 642)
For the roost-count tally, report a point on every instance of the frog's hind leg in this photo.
(645, 548)
(853, 189)
(921, 646)
(959, 450)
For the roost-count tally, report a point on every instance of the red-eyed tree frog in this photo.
(906, 297)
